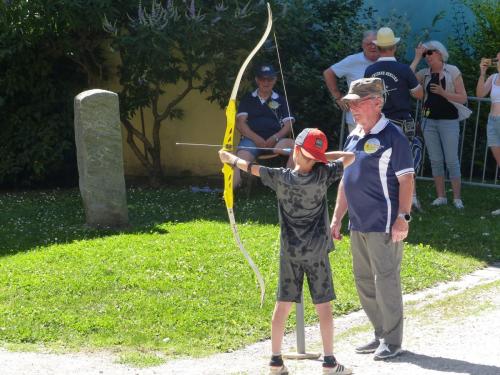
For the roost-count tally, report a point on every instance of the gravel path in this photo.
(450, 329)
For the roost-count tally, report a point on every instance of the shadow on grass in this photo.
(471, 231)
(42, 218)
(33, 219)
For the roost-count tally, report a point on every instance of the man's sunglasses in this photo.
(428, 52)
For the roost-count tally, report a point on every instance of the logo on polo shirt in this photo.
(372, 145)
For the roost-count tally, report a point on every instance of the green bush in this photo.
(49, 52)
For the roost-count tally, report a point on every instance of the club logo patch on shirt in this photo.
(371, 146)
(273, 104)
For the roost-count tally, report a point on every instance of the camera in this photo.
(489, 62)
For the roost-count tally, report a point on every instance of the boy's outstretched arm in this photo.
(345, 157)
(233, 160)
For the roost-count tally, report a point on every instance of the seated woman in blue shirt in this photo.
(263, 120)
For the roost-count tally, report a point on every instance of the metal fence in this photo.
(477, 164)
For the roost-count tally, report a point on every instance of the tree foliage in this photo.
(49, 51)
(477, 39)
(169, 50)
(52, 50)
(312, 35)
(472, 41)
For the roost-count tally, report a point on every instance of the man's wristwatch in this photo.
(276, 139)
(405, 216)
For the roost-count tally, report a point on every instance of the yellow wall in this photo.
(203, 122)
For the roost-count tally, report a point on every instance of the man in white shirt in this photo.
(352, 68)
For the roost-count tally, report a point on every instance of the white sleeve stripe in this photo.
(404, 171)
(242, 114)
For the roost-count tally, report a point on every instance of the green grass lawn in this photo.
(175, 283)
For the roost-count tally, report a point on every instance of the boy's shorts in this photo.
(319, 279)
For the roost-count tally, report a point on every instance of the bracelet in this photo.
(249, 167)
(236, 162)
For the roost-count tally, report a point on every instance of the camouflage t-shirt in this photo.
(303, 208)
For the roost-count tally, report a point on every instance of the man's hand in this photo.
(271, 142)
(399, 229)
(260, 142)
(335, 228)
(342, 104)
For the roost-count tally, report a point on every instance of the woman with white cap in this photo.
(442, 111)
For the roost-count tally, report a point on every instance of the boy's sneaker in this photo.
(458, 204)
(368, 348)
(385, 351)
(338, 369)
(278, 370)
(440, 201)
(331, 366)
(276, 366)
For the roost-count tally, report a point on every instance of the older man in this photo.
(263, 120)
(376, 190)
(352, 67)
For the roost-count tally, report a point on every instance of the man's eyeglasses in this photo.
(428, 52)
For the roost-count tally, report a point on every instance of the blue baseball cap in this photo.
(265, 70)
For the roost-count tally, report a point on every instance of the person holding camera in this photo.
(492, 86)
(442, 110)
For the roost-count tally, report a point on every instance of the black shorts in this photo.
(319, 279)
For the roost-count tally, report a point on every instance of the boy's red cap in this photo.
(313, 144)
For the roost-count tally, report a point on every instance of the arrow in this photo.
(286, 150)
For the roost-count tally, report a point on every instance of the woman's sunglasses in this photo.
(428, 52)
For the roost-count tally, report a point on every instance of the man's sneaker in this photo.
(331, 366)
(440, 201)
(278, 370)
(496, 212)
(458, 204)
(368, 348)
(415, 204)
(385, 351)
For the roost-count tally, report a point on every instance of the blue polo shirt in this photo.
(371, 182)
(265, 117)
(399, 81)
